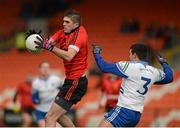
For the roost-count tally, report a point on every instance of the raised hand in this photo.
(96, 49)
(161, 59)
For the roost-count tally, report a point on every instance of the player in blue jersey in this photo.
(137, 76)
(44, 90)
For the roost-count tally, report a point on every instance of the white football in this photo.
(31, 45)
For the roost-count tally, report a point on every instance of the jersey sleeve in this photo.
(165, 76)
(78, 39)
(123, 66)
(108, 67)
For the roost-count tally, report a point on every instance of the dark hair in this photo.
(74, 15)
(43, 63)
(143, 52)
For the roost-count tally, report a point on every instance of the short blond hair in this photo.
(74, 15)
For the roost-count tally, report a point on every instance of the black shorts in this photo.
(71, 92)
(28, 110)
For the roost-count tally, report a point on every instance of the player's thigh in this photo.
(55, 111)
(105, 123)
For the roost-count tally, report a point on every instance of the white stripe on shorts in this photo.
(114, 114)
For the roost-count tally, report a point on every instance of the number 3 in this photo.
(145, 86)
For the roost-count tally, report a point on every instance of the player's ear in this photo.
(136, 56)
(76, 25)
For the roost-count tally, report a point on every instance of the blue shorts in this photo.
(40, 115)
(123, 117)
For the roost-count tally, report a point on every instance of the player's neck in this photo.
(136, 59)
(44, 77)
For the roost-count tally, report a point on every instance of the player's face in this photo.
(69, 25)
(45, 69)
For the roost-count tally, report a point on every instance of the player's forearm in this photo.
(101, 63)
(62, 54)
(107, 67)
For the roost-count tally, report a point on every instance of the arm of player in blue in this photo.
(35, 97)
(168, 75)
(107, 67)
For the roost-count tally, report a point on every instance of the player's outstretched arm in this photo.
(167, 70)
(103, 65)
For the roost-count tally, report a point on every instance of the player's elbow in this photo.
(170, 79)
(103, 66)
(68, 57)
(103, 69)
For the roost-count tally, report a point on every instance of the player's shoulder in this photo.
(123, 66)
(82, 30)
(52, 76)
(36, 82)
(155, 69)
(131, 65)
(122, 63)
(60, 32)
(21, 85)
(145, 65)
(139, 64)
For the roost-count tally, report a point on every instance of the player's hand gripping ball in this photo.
(31, 39)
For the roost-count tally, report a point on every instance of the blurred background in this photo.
(115, 25)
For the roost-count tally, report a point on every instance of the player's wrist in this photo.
(48, 45)
(51, 48)
(162, 63)
(96, 51)
(161, 59)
